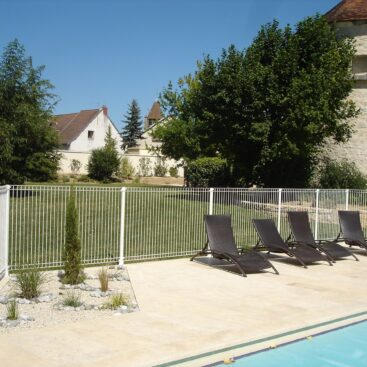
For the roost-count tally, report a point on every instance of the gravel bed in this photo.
(48, 309)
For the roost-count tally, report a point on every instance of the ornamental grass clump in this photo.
(12, 312)
(115, 301)
(72, 251)
(29, 283)
(72, 299)
(103, 279)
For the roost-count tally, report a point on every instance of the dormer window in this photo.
(90, 134)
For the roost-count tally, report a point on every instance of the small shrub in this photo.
(207, 172)
(103, 279)
(173, 171)
(72, 258)
(29, 283)
(126, 168)
(160, 169)
(83, 178)
(75, 166)
(115, 301)
(104, 162)
(12, 312)
(343, 174)
(65, 178)
(144, 167)
(72, 299)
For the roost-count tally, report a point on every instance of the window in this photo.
(90, 134)
(360, 64)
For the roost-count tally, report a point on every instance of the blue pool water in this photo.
(345, 347)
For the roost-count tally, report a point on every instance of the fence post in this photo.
(347, 199)
(6, 230)
(211, 195)
(122, 225)
(279, 207)
(317, 214)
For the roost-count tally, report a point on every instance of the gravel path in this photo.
(50, 310)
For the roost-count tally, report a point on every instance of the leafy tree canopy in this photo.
(268, 110)
(27, 141)
(132, 130)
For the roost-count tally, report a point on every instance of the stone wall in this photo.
(356, 148)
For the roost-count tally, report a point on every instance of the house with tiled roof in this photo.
(147, 147)
(349, 17)
(80, 133)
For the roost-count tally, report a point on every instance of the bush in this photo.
(72, 257)
(104, 162)
(126, 168)
(83, 178)
(173, 171)
(207, 172)
(144, 167)
(29, 283)
(160, 169)
(75, 166)
(65, 178)
(343, 174)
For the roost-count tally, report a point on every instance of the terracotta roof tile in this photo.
(71, 125)
(348, 10)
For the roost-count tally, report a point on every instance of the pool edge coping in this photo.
(259, 341)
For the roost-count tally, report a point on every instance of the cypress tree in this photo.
(72, 251)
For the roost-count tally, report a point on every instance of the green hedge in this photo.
(207, 172)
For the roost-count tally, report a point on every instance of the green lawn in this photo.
(160, 222)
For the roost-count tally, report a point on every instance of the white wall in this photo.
(100, 127)
(134, 161)
(82, 146)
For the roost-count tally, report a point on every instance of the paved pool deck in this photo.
(189, 309)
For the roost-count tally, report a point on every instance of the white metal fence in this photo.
(4, 229)
(141, 223)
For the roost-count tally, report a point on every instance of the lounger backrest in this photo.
(350, 224)
(300, 226)
(269, 234)
(220, 233)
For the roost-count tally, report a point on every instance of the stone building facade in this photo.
(350, 20)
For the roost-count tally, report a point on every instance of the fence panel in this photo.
(157, 222)
(243, 205)
(164, 222)
(358, 201)
(4, 229)
(37, 224)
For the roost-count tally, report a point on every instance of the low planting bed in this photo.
(36, 299)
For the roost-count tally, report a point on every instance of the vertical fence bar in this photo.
(347, 199)
(279, 207)
(317, 214)
(6, 230)
(211, 195)
(122, 226)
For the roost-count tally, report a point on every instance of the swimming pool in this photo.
(342, 347)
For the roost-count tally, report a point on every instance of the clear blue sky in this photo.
(110, 51)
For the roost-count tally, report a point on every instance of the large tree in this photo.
(132, 129)
(268, 110)
(27, 141)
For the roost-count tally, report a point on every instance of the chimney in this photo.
(105, 110)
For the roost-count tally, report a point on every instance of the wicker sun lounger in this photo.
(271, 241)
(302, 233)
(221, 250)
(351, 229)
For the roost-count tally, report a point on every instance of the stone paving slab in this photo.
(187, 309)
